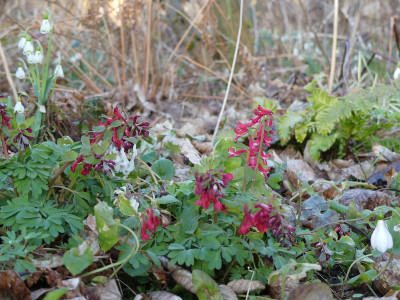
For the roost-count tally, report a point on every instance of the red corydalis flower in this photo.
(210, 186)
(151, 223)
(3, 113)
(130, 127)
(267, 217)
(263, 119)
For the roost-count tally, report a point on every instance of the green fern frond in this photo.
(287, 122)
(320, 143)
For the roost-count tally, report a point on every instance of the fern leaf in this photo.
(287, 122)
(301, 132)
(319, 143)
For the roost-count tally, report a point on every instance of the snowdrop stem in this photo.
(35, 77)
(384, 269)
(348, 271)
(46, 69)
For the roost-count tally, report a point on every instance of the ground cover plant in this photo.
(281, 184)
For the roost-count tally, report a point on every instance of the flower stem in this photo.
(348, 271)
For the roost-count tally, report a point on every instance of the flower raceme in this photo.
(129, 128)
(210, 186)
(152, 222)
(262, 119)
(267, 217)
(381, 238)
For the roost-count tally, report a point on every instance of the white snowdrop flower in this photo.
(45, 28)
(76, 57)
(28, 47)
(58, 71)
(396, 74)
(31, 58)
(22, 42)
(20, 74)
(381, 238)
(396, 228)
(295, 51)
(19, 108)
(38, 56)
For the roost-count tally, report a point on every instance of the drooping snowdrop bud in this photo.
(396, 74)
(31, 58)
(381, 238)
(38, 56)
(22, 41)
(28, 47)
(20, 74)
(45, 28)
(19, 108)
(58, 71)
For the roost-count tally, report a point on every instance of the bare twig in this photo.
(8, 74)
(333, 59)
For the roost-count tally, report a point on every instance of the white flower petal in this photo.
(381, 238)
(19, 108)
(20, 74)
(22, 42)
(28, 48)
(45, 28)
(38, 57)
(58, 71)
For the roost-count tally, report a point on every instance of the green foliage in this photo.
(329, 121)
(205, 286)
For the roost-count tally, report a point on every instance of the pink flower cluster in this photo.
(129, 128)
(152, 223)
(3, 113)
(267, 217)
(210, 186)
(256, 146)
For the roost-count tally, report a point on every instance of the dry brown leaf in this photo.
(243, 285)
(365, 199)
(326, 190)
(90, 224)
(48, 261)
(162, 295)
(203, 147)
(227, 293)
(189, 151)
(13, 287)
(296, 170)
(384, 154)
(159, 273)
(109, 291)
(290, 284)
(184, 278)
(390, 277)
